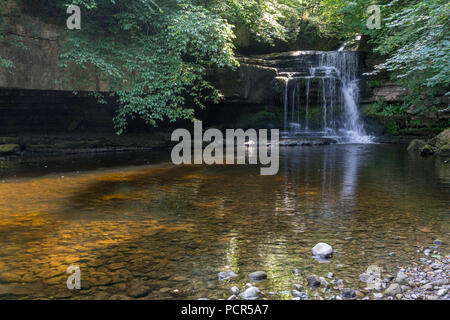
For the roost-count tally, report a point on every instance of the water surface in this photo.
(137, 219)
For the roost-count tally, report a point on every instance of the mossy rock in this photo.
(9, 149)
(416, 145)
(442, 139)
(444, 151)
(426, 150)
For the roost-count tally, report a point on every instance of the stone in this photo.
(427, 287)
(416, 145)
(401, 278)
(138, 291)
(378, 296)
(439, 282)
(348, 293)
(426, 150)
(233, 297)
(324, 282)
(330, 275)
(9, 149)
(300, 295)
(298, 287)
(437, 242)
(393, 290)
(257, 276)
(313, 281)
(322, 250)
(235, 290)
(442, 292)
(225, 275)
(251, 293)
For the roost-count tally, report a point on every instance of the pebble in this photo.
(313, 281)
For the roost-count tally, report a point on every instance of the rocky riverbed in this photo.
(426, 279)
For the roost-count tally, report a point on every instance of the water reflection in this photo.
(173, 229)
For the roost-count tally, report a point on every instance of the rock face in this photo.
(322, 250)
(389, 92)
(439, 145)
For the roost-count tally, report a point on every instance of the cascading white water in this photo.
(333, 79)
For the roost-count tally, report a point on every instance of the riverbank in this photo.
(35, 145)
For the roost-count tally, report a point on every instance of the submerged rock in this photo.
(225, 275)
(257, 276)
(138, 291)
(300, 295)
(322, 250)
(313, 281)
(348, 293)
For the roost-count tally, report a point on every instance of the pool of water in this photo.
(136, 219)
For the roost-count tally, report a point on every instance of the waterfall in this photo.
(333, 77)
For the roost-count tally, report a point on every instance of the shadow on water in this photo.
(172, 229)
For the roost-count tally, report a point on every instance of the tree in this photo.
(416, 42)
